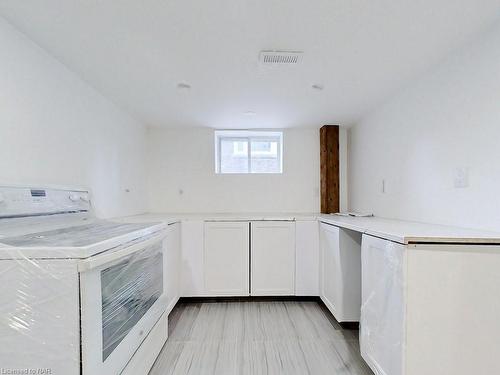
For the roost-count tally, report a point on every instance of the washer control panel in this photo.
(32, 201)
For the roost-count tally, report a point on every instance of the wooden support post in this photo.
(330, 169)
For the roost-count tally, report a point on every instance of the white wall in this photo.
(55, 129)
(183, 159)
(449, 119)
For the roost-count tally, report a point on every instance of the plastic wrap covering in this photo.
(122, 298)
(52, 310)
(129, 289)
(39, 319)
(382, 330)
(75, 235)
(78, 295)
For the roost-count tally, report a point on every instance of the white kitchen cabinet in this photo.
(340, 272)
(382, 332)
(430, 308)
(226, 258)
(192, 280)
(272, 258)
(173, 254)
(307, 258)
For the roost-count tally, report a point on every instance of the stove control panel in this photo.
(31, 201)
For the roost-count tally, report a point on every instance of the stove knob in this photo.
(74, 197)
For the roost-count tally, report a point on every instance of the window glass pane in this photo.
(233, 155)
(265, 156)
(263, 146)
(247, 151)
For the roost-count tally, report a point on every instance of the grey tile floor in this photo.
(258, 338)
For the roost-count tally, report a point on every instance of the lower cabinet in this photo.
(430, 308)
(340, 270)
(272, 258)
(192, 268)
(306, 258)
(226, 258)
(382, 332)
(240, 259)
(173, 264)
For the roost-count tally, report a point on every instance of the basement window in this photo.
(244, 151)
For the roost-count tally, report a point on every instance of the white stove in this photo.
(79, 295)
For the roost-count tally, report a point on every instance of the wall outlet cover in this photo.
(461, 178)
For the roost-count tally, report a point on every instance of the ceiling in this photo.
(137, 52)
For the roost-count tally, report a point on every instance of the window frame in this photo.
(249, 137)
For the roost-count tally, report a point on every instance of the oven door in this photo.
(122, 297)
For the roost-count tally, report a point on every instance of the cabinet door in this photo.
(273, 258)
(226, 262)
(330, 268)
(192, 284)
(307, 258)
(382, 333)
(173, 254)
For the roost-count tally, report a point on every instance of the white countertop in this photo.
(170, 218)
(406, 232)
(401, 231)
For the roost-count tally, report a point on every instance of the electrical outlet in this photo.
(461, 178)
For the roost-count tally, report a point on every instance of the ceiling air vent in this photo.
(280, 57)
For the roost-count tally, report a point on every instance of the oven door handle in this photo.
(110, 257)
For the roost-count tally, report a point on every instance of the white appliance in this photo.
(78, 295)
